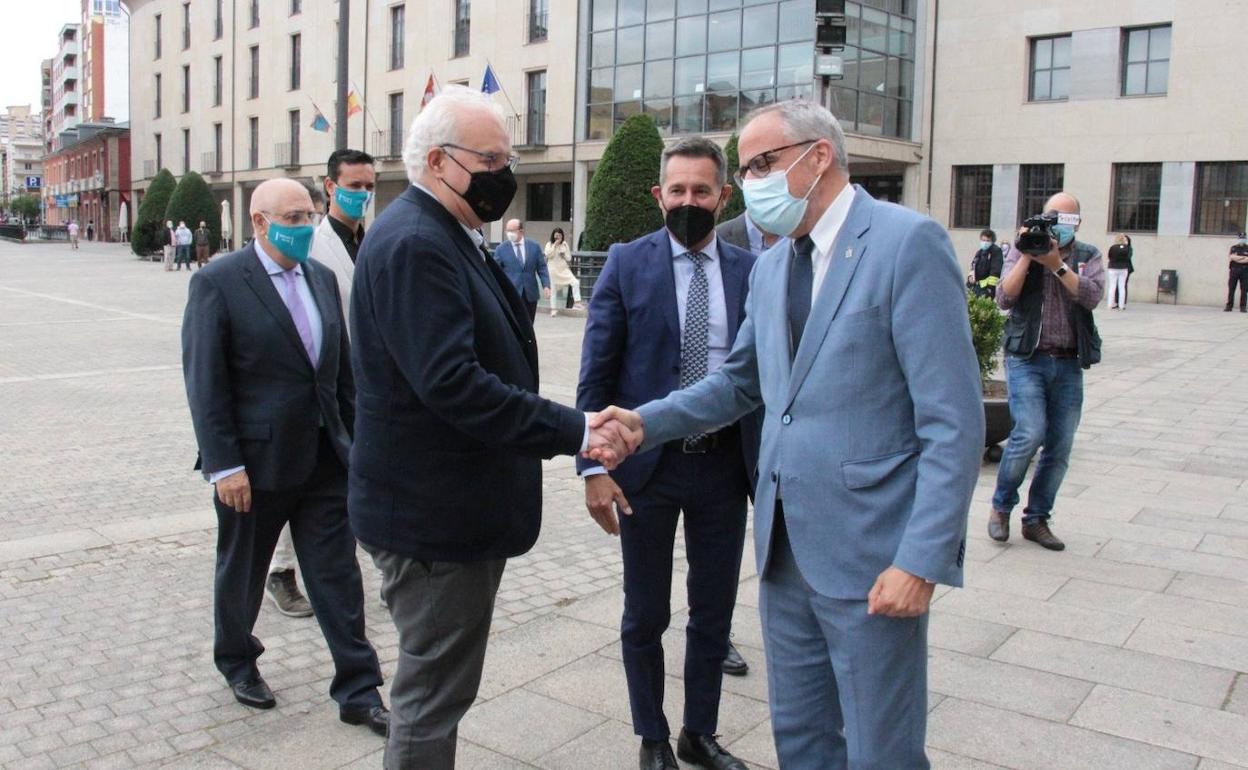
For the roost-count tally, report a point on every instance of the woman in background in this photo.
(1119, 269)
(559, 263)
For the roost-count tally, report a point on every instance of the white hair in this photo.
(805, 120)
(438, 124)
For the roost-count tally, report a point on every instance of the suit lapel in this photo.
(730, 274)
(841, 269)
(661, 253)
(262, 285)
(325, 304)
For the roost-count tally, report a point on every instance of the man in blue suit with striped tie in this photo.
(524, 263)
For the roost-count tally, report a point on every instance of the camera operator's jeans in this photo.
(1046, 401)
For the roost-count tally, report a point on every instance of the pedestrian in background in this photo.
(524, 264)
(72, 230)
(563, 281)
(167, 242)
(90, 229)
(1120, 270)
(1238, 275)
(201, 244)
(183, 238)
(986, 266)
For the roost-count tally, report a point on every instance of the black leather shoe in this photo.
(254, 693)
(1041, 534)
(657, 755)
(375, 718)
(1227, 309)
(705, 751)
(998, 526)
(734, 664)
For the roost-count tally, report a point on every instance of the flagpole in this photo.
(500, 88)
(364, 104)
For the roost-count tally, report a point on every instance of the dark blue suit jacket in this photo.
(524, 277)
(449, 431)
(631, 350)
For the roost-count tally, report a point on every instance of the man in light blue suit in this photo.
(524, 263)
(856, 340)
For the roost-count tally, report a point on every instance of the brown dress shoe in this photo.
(998, 526)
(1041, 534)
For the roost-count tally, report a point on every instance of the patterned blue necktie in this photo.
(693, 343)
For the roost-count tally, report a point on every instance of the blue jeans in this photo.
(1046, 401)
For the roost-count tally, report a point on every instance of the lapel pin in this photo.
(849, 253)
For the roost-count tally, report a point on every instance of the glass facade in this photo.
(701, 65)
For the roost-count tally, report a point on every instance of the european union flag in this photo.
(319, 123)
(489, 84)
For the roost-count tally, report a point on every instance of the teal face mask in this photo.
(1065, 234)
(352, 202)
(294, 242)
(984, 245)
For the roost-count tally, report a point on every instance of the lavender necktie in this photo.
(299, 314)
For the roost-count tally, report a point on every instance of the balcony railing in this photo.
(210, 163)
(527, 131)
(535, 26)
(387, 144)
(149, 169)
(286, 154)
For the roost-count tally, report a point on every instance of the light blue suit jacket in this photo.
(874, 431)
(527, 276)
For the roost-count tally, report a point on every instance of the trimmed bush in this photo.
(987, 329)
(192, 202)
(736, 204)
(620, 207)
(145, 238)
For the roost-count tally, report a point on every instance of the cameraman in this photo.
(1239, 275)
(1050, 338)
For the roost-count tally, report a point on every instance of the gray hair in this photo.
(438, 124)
(696, 147)
(806, 120)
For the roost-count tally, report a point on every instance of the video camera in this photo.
(1036, 241)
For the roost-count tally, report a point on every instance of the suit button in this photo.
(788, 418)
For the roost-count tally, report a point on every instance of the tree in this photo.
(145, 239)
(192, 202)
(620, 206)
(736, 204)
(25, 207)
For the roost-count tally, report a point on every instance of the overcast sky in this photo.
(27, 37)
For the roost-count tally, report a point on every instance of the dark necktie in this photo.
(693, 347)
(801, 279)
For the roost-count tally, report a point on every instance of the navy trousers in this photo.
(710, 489)
(325, 547)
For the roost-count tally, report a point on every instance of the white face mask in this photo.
(770, 204)
(513, 236)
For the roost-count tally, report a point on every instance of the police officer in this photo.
(1239, 275)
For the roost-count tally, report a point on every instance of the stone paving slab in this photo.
(1130, 649)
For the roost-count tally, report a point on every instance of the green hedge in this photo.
(145, 238)
(736, 204)
(620, 206)
(192, 202)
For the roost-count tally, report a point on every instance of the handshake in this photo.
(614, 434)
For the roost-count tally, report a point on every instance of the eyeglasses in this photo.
(296, 218)
(760, 164)
(493, 161)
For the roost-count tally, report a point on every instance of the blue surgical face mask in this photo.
(772, 207)
(1065, 234)
(984, 245)
(294, 242)
(352, 202)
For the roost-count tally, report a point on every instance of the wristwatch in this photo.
(1061, 271)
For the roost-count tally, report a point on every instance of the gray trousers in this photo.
(442, 611)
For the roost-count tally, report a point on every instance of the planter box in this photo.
(997, 420)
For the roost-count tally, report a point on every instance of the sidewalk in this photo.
(1128, 650)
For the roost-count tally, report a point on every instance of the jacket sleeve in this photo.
(427, 319)
(542, 273)
(205, 369)
(602, 349)
(943, 381)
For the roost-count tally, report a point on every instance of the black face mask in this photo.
(690, 224)
(489, 193)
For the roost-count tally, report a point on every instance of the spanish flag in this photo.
(354, 104)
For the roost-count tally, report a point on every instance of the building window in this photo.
(296, 7)
(972, 196)
(217, 80)
(395, 144)
(160, 163)
(157, 90)
(216, 148)
(463, 19)
(253, 143)
(565, 202)
(397, 19)
(186, 150)
(255, 14)
(1036, 184)
(253, 85)
(540, 201)
(1137, 197)
(1221, 200)
(186, 88)
(157, 38)
(294, 138)
(218, 26)
(539, 13)
(186, 26)
(1145, 60)
(535, 123)
(296, 61)
(1050, 68)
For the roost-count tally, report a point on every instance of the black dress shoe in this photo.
(705, 751)
(376, 718)
(657, 755)
(998, 526)
(1041, 534)
(255, 693)
(734, 664)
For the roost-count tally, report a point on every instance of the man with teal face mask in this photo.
(272, 399)
(350, 181)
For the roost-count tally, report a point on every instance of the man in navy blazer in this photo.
(524, 262)
(857, 341)
(665, 312)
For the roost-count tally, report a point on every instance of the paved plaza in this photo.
(1128, 650)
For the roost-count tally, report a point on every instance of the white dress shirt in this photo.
(824, 235)
(717, 338)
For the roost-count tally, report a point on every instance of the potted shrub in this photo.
(987, 328)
